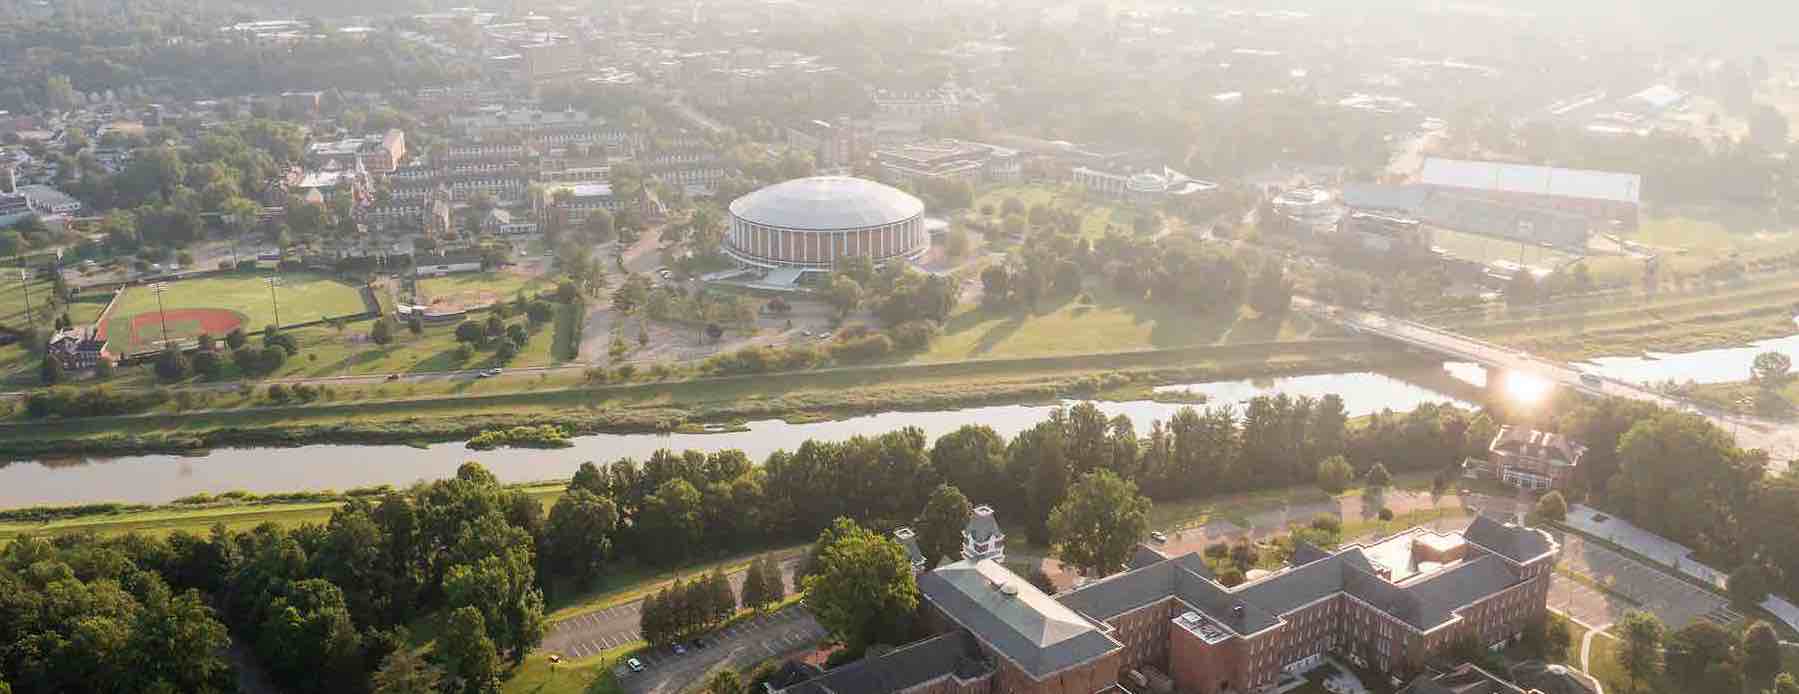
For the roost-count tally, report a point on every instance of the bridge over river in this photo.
(1780, 440)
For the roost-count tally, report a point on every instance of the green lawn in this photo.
(1112, 323)
(13, 295)
(1095, 216)
(302, 297)
(1486, 249)
(468, 286)
(325, 351)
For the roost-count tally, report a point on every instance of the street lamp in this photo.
(274, 282)
(157, 289)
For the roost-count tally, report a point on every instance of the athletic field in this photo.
(216, 305)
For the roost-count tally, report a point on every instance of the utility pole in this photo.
(157, 289)
(274, 282)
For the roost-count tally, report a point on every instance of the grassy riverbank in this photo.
(1627, 323)
(469, 407)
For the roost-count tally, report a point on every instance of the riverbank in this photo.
(1629, 323)
(671, 406)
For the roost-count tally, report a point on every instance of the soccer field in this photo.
(217, 304)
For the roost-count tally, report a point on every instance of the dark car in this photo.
(698, 644)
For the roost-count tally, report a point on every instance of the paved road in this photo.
(594, 632)
(1779, 440)
(741, 645)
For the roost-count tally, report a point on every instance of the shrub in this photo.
(545, 436)
(1327, 522)
(862, 349)
(208, 364)
(305, 393)
(278, 393)
(236, 339)
(464, 352)
(1386, 514)
(914, 335)
(506, 351)
(1230, 576)
(1217, 550)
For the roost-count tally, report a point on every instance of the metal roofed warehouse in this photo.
(812, 223)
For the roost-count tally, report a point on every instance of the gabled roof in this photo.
(1033, 630)
(1144, 555)
(1515, 542)
(951, 653)
(1185, 577)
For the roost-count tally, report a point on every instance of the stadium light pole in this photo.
(274, 282)
(157, 289)
(25, 286)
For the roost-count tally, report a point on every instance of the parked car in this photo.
(1158, 537)
(1591, 379)
(699, 644)
(635, 665)
(495, 371)
(680, 649)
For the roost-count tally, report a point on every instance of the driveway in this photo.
(742, 645)
(585, 635)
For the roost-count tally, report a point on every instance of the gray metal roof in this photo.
(981, 526)
(903, 668)
(827, 203)
(1534, 180)
(1515, 542)
(1033, 630)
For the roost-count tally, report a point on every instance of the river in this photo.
(162, 478)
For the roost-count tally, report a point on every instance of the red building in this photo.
(1389, 606)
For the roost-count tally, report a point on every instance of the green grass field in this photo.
(1112, 323)
(302, 297)
(326, 352)
(1095, 216)
(13, 295)
(468, 286)
(1487, 249)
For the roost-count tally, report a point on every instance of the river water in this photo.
(161, 478)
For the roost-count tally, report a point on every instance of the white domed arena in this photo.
(817, 223)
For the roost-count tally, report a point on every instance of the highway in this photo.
(1781, 441)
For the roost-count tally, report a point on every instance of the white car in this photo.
(1158, 537)
(635, 665)
(490, 373)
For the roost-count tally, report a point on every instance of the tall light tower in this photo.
(25, 286)
(275, 282)
(157, 289)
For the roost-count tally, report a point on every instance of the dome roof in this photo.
(827, 202)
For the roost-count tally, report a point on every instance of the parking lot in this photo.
(585, 635)
(1675, 601)
(741, 645)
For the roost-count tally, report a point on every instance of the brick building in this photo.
(1530, 459)
(1392, 606)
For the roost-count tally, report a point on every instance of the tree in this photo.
(468, 654)
(383, 331)
(1334, 474)
(1639, 656)
(1013, 225)
(1784, 683)
(1099, 522)
(670, 523)
(844, 294)
(1748, 586)
(1693, 649)
(51, 372)
(236, 339)
(1761, 652)
(862, 590)
(725, 681)
(404, 672)
(172, 365)
(1771, 369)
(1378, 479)
(578, 535)
(1552, 507)
(940, 527)
(1558, 639)
(470, 333)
